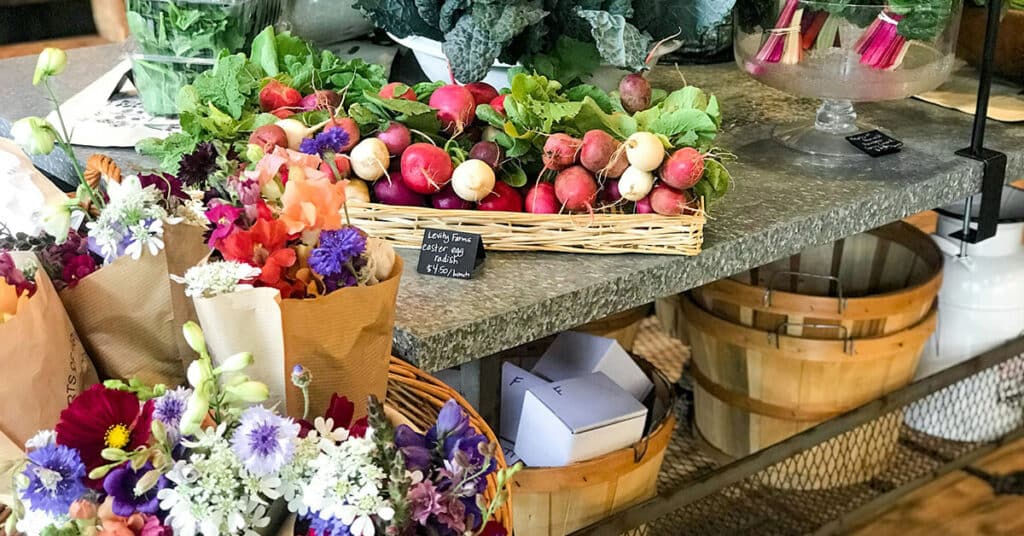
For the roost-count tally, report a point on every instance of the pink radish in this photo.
(498, 103)
(350, 127)
(455, 105)
(560, 151)
(576, 188)
(324, 99)
(390, 91)
(540, 199)
(668, 201)
(342, 163)
(610, 194)
(643, 206)
(683, 169)
(426, 168)
(483, 93)
(504, 197)
(635, 92)
(447, 200)
(396, 137)
(489, 152)
(395, 192)
(602, 154)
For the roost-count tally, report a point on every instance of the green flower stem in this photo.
(64, 140)
(305, 402)
(337, 177)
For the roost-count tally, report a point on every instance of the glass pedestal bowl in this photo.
(844, 53)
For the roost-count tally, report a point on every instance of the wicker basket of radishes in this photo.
(536, 166)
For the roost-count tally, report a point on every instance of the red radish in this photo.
(324, 99)
(635, 92)
(540, 199)
(350, 127)
(602, 154)
(498, 103)
(447, 200)
(560, 151)
(396, 137)
(390, 91)
(276, 95)
(683, 169)
(489, 152)
(283, 113)
(269, 136)
(610, 193)
(483, 93)
(455, 105)
(342, 163)
(426, 168)
(395, 192)
(576, 188)
(668, 201)
(643, 206)
(504, 197)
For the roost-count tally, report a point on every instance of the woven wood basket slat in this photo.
(418, 396)
(516, 231)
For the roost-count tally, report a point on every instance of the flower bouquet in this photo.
(113, 244)
(33, 323)
(290, 281)
(126, 459)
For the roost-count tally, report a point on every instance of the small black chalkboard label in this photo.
(450, 253)
(875, 143)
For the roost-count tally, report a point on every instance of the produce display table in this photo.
(782, 203)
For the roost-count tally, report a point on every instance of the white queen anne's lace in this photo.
(216, 278)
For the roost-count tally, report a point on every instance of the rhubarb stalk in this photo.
(773, 48)
(811, 28)
(792, 51)
(881, 46)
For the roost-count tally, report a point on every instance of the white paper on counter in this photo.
(108, 113)
(24, 191)
(248, 320)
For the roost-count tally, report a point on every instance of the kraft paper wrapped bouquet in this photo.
(290, 281)
(113, 244)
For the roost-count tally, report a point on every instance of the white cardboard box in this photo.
(578, 419)
(514, 384)
(574, 354)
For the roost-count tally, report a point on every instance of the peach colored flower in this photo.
(311, 203)
(271, 164)
(82, 509)
(113, 527)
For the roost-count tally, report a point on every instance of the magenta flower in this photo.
(223, 216)
(77, 267)
(15, 277)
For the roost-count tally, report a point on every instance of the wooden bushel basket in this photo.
(415, 398)
(553, 501)
(754, 389)
(874, 283)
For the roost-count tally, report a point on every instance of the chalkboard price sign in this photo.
(875, 143)
(450, 253)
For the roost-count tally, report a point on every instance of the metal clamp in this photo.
(839, 286)
(844, 332)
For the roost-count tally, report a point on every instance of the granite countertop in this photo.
(782, 203)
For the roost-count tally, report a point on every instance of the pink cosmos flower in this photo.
(223, 216)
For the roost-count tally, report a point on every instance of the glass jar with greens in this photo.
(159, 79)
(198, 28)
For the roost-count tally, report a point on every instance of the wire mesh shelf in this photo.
(835, 475)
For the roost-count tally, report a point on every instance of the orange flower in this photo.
(311, 204)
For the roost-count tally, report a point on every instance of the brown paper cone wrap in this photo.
(343, 339)
(129, 313)
(44, 365)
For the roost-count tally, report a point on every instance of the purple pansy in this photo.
(120, 486)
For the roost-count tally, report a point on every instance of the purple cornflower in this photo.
(169, 408)
(264, 442)
(120, 485)
(55, 476)
(328, 141)
(336, 249)
(328, 527)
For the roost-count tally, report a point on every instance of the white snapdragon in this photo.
(216, 278)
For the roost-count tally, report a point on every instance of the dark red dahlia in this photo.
(102, 418)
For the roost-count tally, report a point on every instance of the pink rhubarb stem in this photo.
(771, 51)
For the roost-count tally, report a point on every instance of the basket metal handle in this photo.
(843, 331)
(771, 286)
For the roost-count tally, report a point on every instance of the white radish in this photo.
(473, 180)
(296, 131)
(370, 159)
(357, 190)
(644, 151)
(635, 183)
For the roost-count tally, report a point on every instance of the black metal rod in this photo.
(995, 9)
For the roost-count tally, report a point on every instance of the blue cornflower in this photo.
(264, 441)
(337, 248)
(327, 527)
(169, 408)
(328, 141)
(55, 476)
